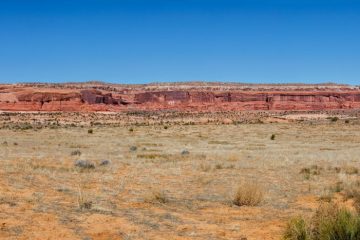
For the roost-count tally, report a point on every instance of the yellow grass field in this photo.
(179, 182)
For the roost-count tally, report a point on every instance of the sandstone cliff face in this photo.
(255, 100)
(65, 98)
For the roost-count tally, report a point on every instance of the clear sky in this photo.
(140, 41)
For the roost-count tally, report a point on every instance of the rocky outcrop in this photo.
(52, 100)
(280, 100)
(96, 97)
(165, 97)
(194, 98)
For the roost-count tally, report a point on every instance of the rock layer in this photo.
(106, 97)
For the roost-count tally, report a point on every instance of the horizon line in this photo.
(175, 83)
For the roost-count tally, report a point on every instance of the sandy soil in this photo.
(196, 169)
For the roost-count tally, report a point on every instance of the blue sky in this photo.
(140, 41)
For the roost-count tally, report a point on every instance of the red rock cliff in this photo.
(195, 98)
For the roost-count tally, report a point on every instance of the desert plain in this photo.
(175, 181)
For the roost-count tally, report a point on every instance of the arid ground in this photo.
(170, 182)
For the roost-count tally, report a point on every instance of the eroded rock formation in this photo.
(191, 97)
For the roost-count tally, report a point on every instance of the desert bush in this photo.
(76, 153)
(90, 131)
(305, 170)
(156, 196)
(351, 190)
(205, 167)
(153, 156)
(248, 194)
(356, 199)
(84, 164)
(315, 169)
(328, 223)
(105, 162)
(351, 170)
(308, 171)
(297, 229)
(219, 166)
(231, 166)
(185, 152)
(334, 119)
(133, 148)
(53, 127)
(83, 202)
(339, 186)
(25, 126)
(272, 137)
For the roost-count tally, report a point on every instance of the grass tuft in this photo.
(156, 196)
(329, 222)
(297, 229)
(248, 194)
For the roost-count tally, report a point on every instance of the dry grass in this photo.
(351, 170)
(248, 194)
(188, 193)
(156, 196)
(205, 167)
(83, 201)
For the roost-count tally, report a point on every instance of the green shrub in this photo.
(90, 131)
(352, 191)
(272, 137)
(334, 119)
(297, 229)
(328, 223)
